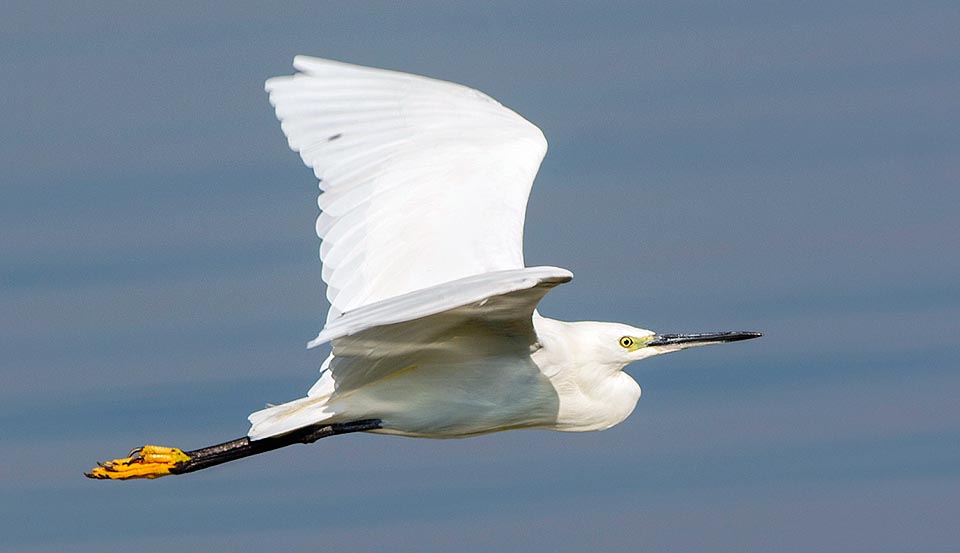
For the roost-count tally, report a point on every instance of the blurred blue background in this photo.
(777, 166)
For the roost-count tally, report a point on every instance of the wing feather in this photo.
(474, 290)
(424, 181)
(482, 316)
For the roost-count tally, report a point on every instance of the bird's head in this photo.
(618, 345)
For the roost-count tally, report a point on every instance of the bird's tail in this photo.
(287, 417)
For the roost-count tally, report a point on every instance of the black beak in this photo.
(701, 339)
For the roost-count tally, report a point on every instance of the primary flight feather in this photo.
(423, 181)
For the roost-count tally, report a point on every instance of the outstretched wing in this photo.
(480, 316)
(424, 181)
(464, 324)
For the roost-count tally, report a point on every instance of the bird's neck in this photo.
(593, 395)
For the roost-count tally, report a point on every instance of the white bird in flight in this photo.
(433, 320)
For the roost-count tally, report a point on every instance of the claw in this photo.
(149, 461)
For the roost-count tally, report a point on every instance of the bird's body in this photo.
(556, 384)
(433, 315)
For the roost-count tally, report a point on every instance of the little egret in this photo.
(433, 320)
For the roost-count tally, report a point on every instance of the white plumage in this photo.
(432, 317)
(423, 181)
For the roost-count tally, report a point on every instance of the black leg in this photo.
(155, 461)
(244, 447)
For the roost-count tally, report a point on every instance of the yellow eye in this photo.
(626, 342)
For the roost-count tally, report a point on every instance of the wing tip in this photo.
(312, 64)
(553, 275)
(302, 62)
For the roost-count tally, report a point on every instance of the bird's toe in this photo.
(149, 461)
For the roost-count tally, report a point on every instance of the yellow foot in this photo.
(149, 461)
